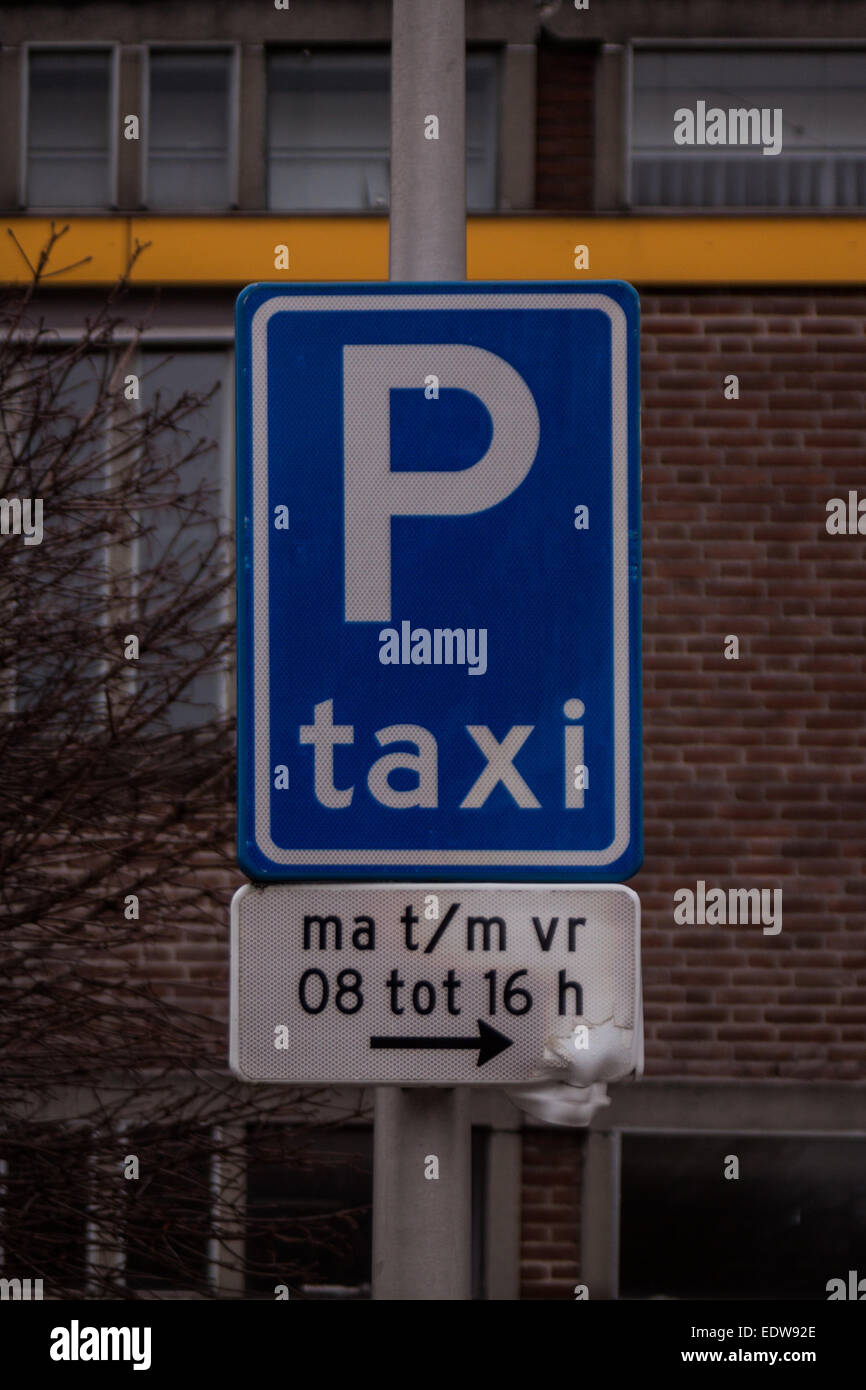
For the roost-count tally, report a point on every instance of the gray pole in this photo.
(428, 176)
(422, 1225)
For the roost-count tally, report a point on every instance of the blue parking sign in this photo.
(438, 528)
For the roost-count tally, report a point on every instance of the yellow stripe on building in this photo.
(236, 250)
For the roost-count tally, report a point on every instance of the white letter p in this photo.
(373, 493)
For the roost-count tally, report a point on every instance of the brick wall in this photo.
(755, 769)
(564, 129)
(550, 1213)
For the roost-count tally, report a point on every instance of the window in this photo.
(69, 446)
(183, 530)
(69, 153)
(44, 1202)
(189, 129)
(481, 142)
(328, 130)
(793, 1219)
(822, 159)
(59, 445)
(309, 1211)
(165, 1221)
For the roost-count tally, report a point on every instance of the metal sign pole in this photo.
(422, 1139)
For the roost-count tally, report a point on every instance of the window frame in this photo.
(672, 44)
(233, 50)
(71, 46)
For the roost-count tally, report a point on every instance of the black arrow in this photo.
(489, 1042)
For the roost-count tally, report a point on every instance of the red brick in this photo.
(564, 128)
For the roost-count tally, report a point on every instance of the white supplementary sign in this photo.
(441, 984)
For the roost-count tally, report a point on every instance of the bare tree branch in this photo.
(116, 846)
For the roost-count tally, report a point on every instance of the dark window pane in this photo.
(183, 531)
(821, 135)
(68, 145)
(167, 1220)
(188, 130)
(329, 130)
(795, 1217)
(309, 1201)
(44, 1208)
